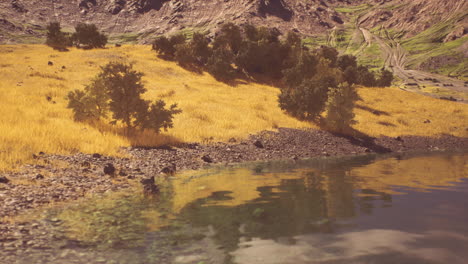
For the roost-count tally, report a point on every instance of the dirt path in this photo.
(415, 80)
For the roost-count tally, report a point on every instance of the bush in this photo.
(118, 89)
(88, 36)
(339, 106)
(219, 65)
(307, 100)
(56, 38)
(386, 78)
(166, 47)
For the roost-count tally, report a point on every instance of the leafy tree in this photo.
(159, 117)
(307, 100)
(90, 104)
(305, 68)
(166, 47)
(124, 88)
(339, 106)
(346, 61)
(88, 36)
(200, 48)
(220, 65)
(329, 53)
(229, 37)
(386, 78)
(56, 38)
(184, 54)
(350, 75)
(118, 89)
(365, 77)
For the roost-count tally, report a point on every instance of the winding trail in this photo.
(396, 59)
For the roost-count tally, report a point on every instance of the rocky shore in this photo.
(64, 178)
(58, 178)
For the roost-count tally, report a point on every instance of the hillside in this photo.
(431, 34)
(35, 117)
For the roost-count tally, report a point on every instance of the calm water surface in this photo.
(372, 209)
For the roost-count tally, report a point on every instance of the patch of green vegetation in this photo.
(126, 38)
(314, 41)
(353, 9)
(431, 37)
(371, 57)
(429, 44)
(398, 6)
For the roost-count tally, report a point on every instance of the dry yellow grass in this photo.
(212, 111)
(397, 112)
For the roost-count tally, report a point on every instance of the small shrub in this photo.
(56, 38)
(88, 36)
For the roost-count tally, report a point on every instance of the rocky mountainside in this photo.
(414, 16)
(23, 19)
(27, 18)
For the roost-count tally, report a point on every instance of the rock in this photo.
(4, 179)
(149, 187)
(427, 121)
(18, 6)
(207, 158)
(97, 155)
(399, 138)
(117, 45)
(86, 164)
(258, 144)
(50, 63)
(39, 176)
(232, 140)
(109, 169)
(169, 170)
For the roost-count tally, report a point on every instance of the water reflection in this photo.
(372, 209)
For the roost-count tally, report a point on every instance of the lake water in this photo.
(409, 208)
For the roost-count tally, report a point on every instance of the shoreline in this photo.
(61, 178)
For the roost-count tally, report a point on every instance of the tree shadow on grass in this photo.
(137, 138)
(372, 110)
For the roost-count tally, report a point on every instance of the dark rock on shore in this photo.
(4, 179)
(109, 169)
(149, 187)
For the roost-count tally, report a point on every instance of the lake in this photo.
(404, 208)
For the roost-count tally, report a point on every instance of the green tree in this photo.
(166, 47)
(365, 77)
(90, 104)
(386, 78)
(229, 37)
(88, 36)
(56, 38)
(339, 106)
(118, 89)
(220, 65)
(307, 100)
(200, 48)
(184, 55)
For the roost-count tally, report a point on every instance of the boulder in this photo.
(149, 187)
(4, 179)
(109, 169)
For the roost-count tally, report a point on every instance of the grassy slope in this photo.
(213, 111)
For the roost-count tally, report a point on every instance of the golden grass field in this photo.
(212, 111)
